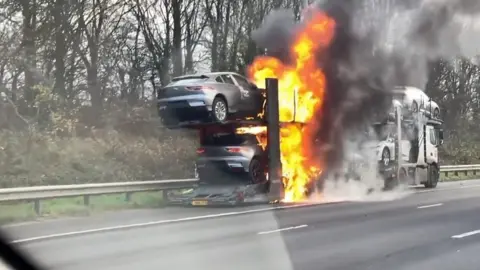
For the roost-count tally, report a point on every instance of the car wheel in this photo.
(436, 113)
(385, 157)
(256, 172)
(219, 109)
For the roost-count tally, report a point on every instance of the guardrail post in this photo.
(455, 173)
(36, 206)
(86, 200)
(164, 194)
(128, 196)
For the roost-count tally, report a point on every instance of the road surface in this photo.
(438, 229)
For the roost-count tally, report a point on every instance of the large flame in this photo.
(301, 95)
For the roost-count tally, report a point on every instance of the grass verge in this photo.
(18, 212)
(461, 176)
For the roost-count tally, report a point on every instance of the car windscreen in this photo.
(228, 139)
(187, 81)
(398, 95)
(381, 131)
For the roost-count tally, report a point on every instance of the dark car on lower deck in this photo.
(238, 157)
(231, 169)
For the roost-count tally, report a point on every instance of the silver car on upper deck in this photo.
(216, 96)
(415, 100)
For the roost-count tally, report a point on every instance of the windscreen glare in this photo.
(187, 81)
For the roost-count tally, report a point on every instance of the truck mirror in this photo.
(440, 136)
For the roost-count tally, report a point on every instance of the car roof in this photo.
(399, 89)
(405, 90)
(404, 87)
(205, 75)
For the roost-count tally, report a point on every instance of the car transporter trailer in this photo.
(270, 120)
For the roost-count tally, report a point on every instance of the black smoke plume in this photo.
(378, 44)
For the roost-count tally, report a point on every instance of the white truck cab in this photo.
(407, 150)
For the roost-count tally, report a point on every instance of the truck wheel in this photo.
(393, 182)
(432, 177)
(389, 184)
(219, 109)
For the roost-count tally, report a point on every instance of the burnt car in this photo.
(209, 97)
(231, 168)
(225, 194)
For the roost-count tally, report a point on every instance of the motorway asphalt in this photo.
(429, 229)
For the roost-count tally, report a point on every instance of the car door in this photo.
(423, 99)
(248, 94)
(234, 98)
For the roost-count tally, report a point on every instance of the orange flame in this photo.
(301, 95)
(259, 131)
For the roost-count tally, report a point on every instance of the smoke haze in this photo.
(276, 34)
(378, 44)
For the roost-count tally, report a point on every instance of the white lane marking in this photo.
(447, 189)
(459, 236)
(430, 205)
(145, 224)
(284, 229)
